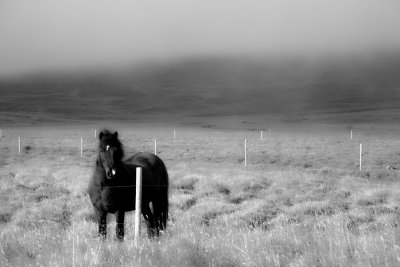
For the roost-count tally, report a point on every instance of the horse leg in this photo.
(157, 217)
(102, 224)
(149, 219)
(119, 231)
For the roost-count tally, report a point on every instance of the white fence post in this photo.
(261, 135)
(360, 156)
(81, 147)
(245, 152)
(19, 145)
(73, 246)
(351, 134)
(138, 204)
(155, 146)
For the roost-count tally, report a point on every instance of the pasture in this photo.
(300, 201)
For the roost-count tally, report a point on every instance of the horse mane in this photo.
(114, 141)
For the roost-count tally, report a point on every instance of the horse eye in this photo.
(102, 150)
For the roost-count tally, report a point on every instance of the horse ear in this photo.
(101, 135)
(115, 135)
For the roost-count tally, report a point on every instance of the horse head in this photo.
(110, 153)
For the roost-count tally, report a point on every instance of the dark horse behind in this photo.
(112, 187)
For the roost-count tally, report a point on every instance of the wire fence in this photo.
(273, 149)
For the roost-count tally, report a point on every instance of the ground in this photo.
(300, 201)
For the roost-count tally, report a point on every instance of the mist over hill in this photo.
(210, 87)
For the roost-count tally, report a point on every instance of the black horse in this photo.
(112, 187)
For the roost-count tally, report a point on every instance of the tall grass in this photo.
(298, 203)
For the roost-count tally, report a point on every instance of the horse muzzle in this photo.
(111, 173)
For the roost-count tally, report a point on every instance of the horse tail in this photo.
(163, 196)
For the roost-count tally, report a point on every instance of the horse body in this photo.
(112, 187)
(154, 183)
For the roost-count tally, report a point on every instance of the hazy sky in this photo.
(38, 35)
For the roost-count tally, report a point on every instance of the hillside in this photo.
(209, 87)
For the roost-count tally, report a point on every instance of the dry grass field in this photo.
(300, 201)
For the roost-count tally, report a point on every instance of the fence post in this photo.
(360, 156)
(155, 146)
(138, 204)
(73, 246)
(245, 152)
(81, 147)
(351, 134)
(174, 134)
(19, 145)
(261, 134)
